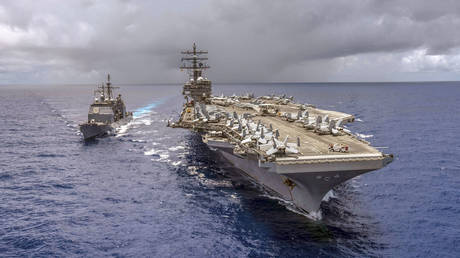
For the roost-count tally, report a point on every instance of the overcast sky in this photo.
(55, 41)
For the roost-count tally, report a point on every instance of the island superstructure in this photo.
(296, 151)
(106, 113)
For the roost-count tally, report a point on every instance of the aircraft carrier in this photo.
(296, 151)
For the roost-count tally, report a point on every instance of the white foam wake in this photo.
(150, 152)
(176, 163)
(123, 129)
(159, 155)
(139, 118)
(329, 195)
(144, 110)
(142, 121)
(176, 148)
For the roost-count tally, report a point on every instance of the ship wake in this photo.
(141, 116)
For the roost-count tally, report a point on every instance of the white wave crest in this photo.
(150, 152)
(364, 136)
(164, 156)
(143, 121)
(120, 131)
(329, 195)
(176, 148)
(138, 140)
(176, 163)
(144, 132)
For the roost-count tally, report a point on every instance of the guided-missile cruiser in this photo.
(296, 151)
(106, 113)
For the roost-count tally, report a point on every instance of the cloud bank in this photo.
(52, 41)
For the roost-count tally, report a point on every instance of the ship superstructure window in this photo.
(105, 110)
(102, 110)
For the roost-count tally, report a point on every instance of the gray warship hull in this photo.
(94, 130)
(312, 181)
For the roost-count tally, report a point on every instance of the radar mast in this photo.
(198, 88)
(106, 90)
(109, 88)
(193, 62)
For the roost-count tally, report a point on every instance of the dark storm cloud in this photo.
(139, 41)
(328, 29)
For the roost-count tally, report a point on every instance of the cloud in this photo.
(418, 60)
(52, 41)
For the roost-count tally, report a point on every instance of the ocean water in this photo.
(160, 192)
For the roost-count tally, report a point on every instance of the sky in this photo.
(62, 42)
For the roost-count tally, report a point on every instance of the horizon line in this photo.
(180, 83)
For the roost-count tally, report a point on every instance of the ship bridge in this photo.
(197, 88)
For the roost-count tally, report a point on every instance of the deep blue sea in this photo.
(153, 191)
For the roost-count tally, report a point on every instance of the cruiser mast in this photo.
(106, 90)
(109, 87)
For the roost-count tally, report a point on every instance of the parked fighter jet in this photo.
(280, 147)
